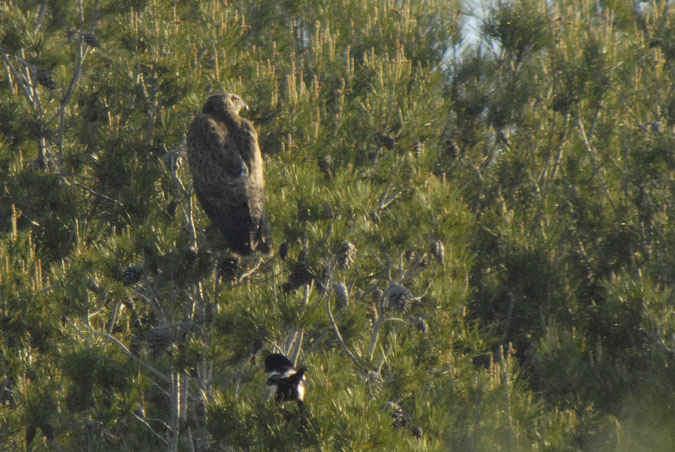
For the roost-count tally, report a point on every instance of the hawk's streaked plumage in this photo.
(227, 168)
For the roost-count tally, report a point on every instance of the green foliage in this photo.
(539, 158)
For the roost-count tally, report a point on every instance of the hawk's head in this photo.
(224, 104)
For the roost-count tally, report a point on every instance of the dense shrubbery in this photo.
(538, 160)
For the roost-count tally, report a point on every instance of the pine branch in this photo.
(339, 336)
(592, 154)
(374, 337)
(40, 18)
(53, 444)
(558, 158)
(72, 86)
(294, 350)
(149, 427)
(176, 405)
(82, 336)
(388, 197)
(128, 352)
(190, 440)
(91, 191)
(251, 271)
(19, 77)
(171, 161)
(74, 80)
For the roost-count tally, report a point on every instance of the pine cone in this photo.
(399, 418)
(48, 431)
(30, 434)
(191, 255)
(397, 298)
(387, 141)
(347, 255)
(389, 406)
(227, 270)
(162, 337)
(397, 414)
(304, 212)
(438, 251)
(421, 325)
(418, 148)
(327, 211)
(45, 77)
(451, 149)
(325, 165)
(91, 40)
(341, 294)
(173, 159)
(300, 275)
(283, 250)
(91, 285)
(132, 275)
(171, 208)
(374, 380)
(6, 393)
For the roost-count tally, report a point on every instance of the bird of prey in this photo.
(227, 169)
(285, 381)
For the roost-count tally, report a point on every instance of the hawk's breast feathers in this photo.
(227, 168)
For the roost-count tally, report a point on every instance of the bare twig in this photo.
(294, 351)
(374, 337)
(309, 288)
(176, 405)
(54, 445)
(79, 5)
(128, 352)
(190, 440)
(92, 191)
(40, 18)
(173, 165)
(47, 289)
(509, 316)
(275, 346)
(591, 153)
(387, 198)
(237, 381)
(82, 336)
(250, 272)
(144, 422)
(339, 336)
(424, 293)
(20, 79)
(115, 314)
(561, 148)
(74, 81)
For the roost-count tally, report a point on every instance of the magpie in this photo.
(285, 381)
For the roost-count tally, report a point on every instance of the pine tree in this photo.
(475, 235)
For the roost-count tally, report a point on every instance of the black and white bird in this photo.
(285, 381)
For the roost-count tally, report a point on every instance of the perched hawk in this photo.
(227, 169)
(285, 381)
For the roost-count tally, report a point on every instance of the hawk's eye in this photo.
(235, 99)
